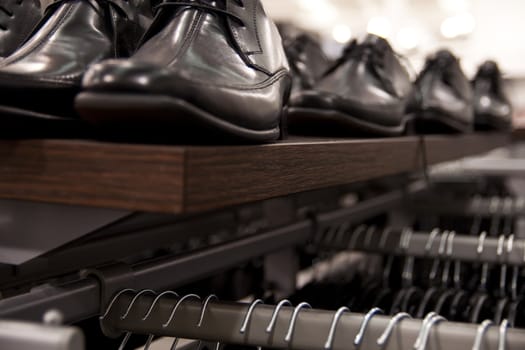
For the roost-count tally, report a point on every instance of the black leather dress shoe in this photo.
(17, 19)
(39, 81)
(205, 68)
(492, 108)
(444, 96)
(366, 91)
(307, 61)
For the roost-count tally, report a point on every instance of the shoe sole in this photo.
(299, 117)
(431, 121)
(19, 122)
(154, 114)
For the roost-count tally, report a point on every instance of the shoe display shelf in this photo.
(190, 179)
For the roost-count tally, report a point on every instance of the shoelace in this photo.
(204, 5)
(375, 58)
(443, 67)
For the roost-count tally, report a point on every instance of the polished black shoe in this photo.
(443, 100)
(365, 92)
(39, 81)
(206, 68)
(307, 61)
(17, 19)
(492, 108)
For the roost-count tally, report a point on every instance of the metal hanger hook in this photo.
(293, 320)
(384, 237)
(482, 329)
(381, 341)
(278, 308)
(481, 243)
(423, 324)
(181, 300)
(142, 292)
(204, 307)
(503, 328)
(431, 238)
(112, 302)
(333, 326)
(355, 235)
(155, 301)
(366, 320)
(426, 328)
(249, 315)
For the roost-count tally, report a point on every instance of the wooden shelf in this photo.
(184, 179)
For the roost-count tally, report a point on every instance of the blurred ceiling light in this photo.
(458, 25)
(342, 33)
(408, 38)
(454, 5)
(311, 5)
(379, 26)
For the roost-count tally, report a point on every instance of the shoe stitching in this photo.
(42, 40)
(254, 21)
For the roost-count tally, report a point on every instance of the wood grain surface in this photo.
(184, 179)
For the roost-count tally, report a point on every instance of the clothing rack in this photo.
(428, 245)
(222, 322)
(477, 206)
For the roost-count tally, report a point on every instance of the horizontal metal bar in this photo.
(80, 300)
(464, 247)
(484, 207)
(222, 323)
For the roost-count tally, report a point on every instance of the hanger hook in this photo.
(249, 315)
(366, 320)
(333, 326)
(156, 300)
(481, 243)
(356, 234)
(291, 327)
(273, 320)
(204, 307)
(482, 329)
(181, 300)
(395, 320)
(425, 321)
(112, 302)
(426, 330)
(501, 243)
(134, 300)
(368, 236)
(503, 328)
(431, 238)
(384, 236)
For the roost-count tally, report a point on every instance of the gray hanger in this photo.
(155, 301)
(273, 320)
(201, 318)
(503, 328)
(482, 329)
(291, 327)
(244, 325)
(366, 320)
(181, 300)
(426, 328)
(397, 318)
(422, 329)
(331, 334)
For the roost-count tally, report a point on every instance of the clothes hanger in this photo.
(429, 299)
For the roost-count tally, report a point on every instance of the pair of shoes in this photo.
(444, 101)
(39, 80)
(492, 108)
(449, 101)
(367, 91)
(201, 65)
